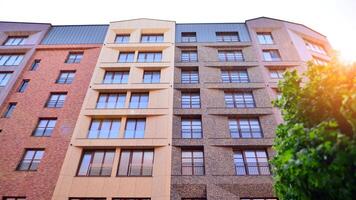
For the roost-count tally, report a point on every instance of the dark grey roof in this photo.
(76, 34)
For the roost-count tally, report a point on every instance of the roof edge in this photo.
(142, 19)
(25, 22)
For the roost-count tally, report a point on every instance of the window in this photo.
(192, 162)
(66, 77)
(315, 47)
(111, 100)
(189, 37)
(10, 60)
(30, 160)
(139, 100)
(122, 38)
(190, 76)
(44, 127)
(151, 38)
(245, 128)
(319, 61)
(10, 108)
(74, 57)
(265, 38)
(189, 56)
(116, 77)
(35, 64)
(135, 128)
(125, 57)
(227, 37)
(15, 40)
(276, 74)
(258, 198)
(14, 198)
(239, 100)
(230, 56)
(151, 76)
(104, 128)
(193, 198)
(190, 100)
(56, 100)
(251, 162)
(191, 128)
(271, 55)
(23, 86)
(131, 199)
(136, 163)
(234, 76)
(96, 163)
(86, 198)
(149, 57)
(4, 78)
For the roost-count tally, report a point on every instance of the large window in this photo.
(190, 100)
(234, 76)
(245, 128)
(135, 128)
(139, 100)
(227, 37)
(104, 128)
(122, 38)
(152, 38)
(231, 56)
(315, 47)
(151, 76)
(239, 100)
(131, 199)
(136, 163)
(14, 198)
(35, 64)
(15, 40)
(319, 61)
(85, 198)
(191, 128)
(45, 127)
(23, 85)
(189, 56)
(66, 77)
(189, 36)
(149, 57)
(190, 76)
(265, 38)
(4, 78)
(56, 100)
(96, 163)
(10, 59)
(276, 74)
(10, 108)
(251, 162)
(193, 162)
(30, 160)
(116, 77)
(271, 55)
(125, 57)
(74, 57)
(111, 100)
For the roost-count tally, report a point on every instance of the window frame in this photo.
(191, 55)
(190, 74)
(23, 85)
(146, 55)
(136, 120)
(78, 57)
(35, 64)
(228, 36)
(106, 104)
(140, 103)
(271, 52)
(153, 76)
(11, 59)
(99, 132)
(124, 40)
(157, 38)
(235, 96)
(124, 77)
(191, 131)
(92, 154)
(9, 110)
(264, 35)
(67, 79)
(234, 76)
(239, 129)
(193, 166)
(128, 57)
(190, 100)
(58, 103)
(245, 163)
(188, 39)
(23, 39)
(43, 132)
(225, 56)
(18, 168)
(6, 78)
(129, 162)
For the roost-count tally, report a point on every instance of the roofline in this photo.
(142, 19)
(81, 25)
(286, 22)
(25, 22)
(196, 23)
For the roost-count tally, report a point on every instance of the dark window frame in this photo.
(128, 57)
(23, 86)
(9, 110)
(22, 40)
(246, 166)
(124, 40)
(250, 132)
(263, 34)
(56, 103)
(189, 56)
(45, 128)
(188, 76)
(193, 164)
(35, 64)
(67, 79)
(14, 58)
(136, 120)
(92, 153)
(225, 56)
(140, 103)
(152, 74)
(157, 38)
(100, 130)
(189, 37)
(227, 36)
(192, 130)
(78, 56)
(230, 76)
(31, 160)
(130, 162)
(107, 103)
(158, 54)
(189, 100)
(235, 104)
(124, 76)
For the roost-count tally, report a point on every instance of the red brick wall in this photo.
(17, 130)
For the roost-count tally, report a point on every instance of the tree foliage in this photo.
(316, 144)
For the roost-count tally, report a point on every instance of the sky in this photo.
(334, 18)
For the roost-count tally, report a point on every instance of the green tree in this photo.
(316, 145)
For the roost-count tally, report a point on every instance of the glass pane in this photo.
(124, 163)
(84, 167)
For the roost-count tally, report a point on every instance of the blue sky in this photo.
(334, 18)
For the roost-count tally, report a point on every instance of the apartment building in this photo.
(39, 115)
(223, 126)
(146, 109)
(120, 147)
